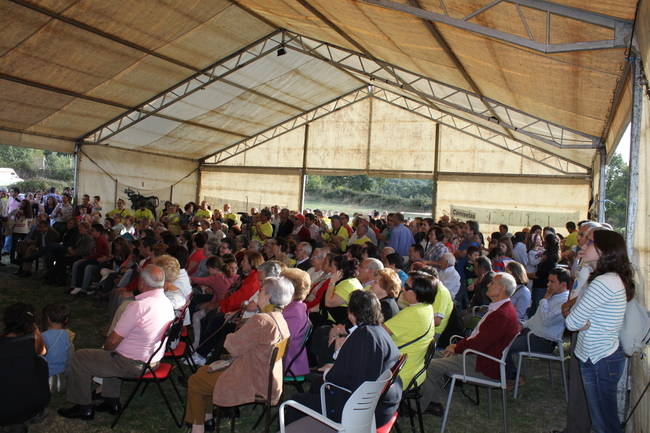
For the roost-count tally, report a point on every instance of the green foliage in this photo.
(34, 163)
(377, 193)
(40, 184)
(618, 176)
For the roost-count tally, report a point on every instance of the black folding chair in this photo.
(157, 374)
(289, 377)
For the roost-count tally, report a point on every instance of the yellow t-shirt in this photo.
(266, 229)
(345, 288)
(341, 232)
(231, 216)
(361, 241)
(203, 214)
(406, 326)
(174, 224)
(442, 307)
(123, 212)
(571, 240)
(144, 213)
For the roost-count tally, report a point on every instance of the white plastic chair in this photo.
(358, 413)
(548, 356)
(489, 383)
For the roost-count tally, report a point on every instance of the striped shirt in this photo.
(602, 305)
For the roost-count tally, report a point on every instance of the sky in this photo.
(623, 148)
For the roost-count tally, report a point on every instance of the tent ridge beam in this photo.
(440, 94)
(288, 125)
(211, 74)
(102, 101)
(622, 28)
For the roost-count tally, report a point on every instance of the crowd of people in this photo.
(372, 285)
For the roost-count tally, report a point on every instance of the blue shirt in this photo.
(57, 342)
(521, 300)
(401, 239)
(548, 322)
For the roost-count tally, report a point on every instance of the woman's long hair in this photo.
(613, 258)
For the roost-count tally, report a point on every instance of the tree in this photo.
(618, 176)
(18, 158)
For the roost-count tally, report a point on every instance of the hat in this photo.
(300, 217)
(364, 217)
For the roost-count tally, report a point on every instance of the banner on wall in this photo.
(512, 217)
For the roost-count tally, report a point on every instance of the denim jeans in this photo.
(600, 381)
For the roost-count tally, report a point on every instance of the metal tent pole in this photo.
(635, 139)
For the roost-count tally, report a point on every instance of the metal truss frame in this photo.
(289, 125)
(198, 81)
(622, 29)
(490, 136)
(442, 95)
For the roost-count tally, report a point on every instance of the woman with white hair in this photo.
(240, 380)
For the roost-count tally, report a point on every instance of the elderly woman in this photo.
(250, 347)
(172, 268)
(296, 316)
(387, 286)
(362, 355)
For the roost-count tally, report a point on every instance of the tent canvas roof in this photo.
(188, 79)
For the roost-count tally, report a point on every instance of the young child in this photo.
(58, 340)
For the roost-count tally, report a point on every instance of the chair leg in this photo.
(489, 393)
(419, 412)
(446, 414)
(178, 394)
(168, 403)
(411, 417)
(518, 373)
(128, 401)
(564, 384)
(144, 388)
(180, 367)
(504, 402)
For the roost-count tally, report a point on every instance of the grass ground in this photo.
(540, 408)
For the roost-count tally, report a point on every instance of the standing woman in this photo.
(598, 315)
(22, 218)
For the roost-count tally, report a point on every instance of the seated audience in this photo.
(546, 326)
(135, 338)
(363, 354)
(521, 298)
(24, 372)
(413, 328)
(245, 377)
(448, 275)
(491, 336)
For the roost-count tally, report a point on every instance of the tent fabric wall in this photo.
(523, 194)
(244, 188)
(106, 171)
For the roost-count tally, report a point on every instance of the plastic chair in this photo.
(489, 383)
(289, 377)
(358, 413)
(413, 391)
(548, 356)
(156, 374)
(276, 355)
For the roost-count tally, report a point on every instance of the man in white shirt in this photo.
(448, 274)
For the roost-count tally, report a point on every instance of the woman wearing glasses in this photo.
(598, 316)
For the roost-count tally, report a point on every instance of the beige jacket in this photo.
(251, 347)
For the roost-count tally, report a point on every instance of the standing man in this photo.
(401, 237)
(126, 350)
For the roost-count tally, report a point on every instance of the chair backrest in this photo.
(502, 365)
(276, 355)
(395, 369)
(359, 411)
(431, 350)
(162, 344)
(306, 334)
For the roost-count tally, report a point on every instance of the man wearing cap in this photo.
(364, 220)
(300, 232)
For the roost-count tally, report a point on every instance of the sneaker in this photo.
(75, 291)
